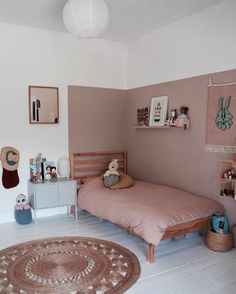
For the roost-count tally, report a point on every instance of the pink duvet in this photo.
(149, 209)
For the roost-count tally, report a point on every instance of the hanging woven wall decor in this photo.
(221, 118)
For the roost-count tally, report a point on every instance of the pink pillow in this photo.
(93, 183)
(87, 180)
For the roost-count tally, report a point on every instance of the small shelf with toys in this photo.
(151, 127)
(228, 179)
(155, 118)
(157, 127)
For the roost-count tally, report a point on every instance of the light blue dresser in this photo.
(52, 194)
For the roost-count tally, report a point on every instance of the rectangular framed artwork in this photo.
(43, 105)
(158, 111)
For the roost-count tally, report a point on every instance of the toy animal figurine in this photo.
(224, 119)
(23, 214)
(172, 120)
(182, 120)
(112, 176)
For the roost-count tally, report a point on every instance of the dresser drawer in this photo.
(47, 195)
(67, 193)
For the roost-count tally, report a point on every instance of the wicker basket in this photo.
(219, 242)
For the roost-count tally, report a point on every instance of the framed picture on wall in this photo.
(158, 111)
(43, 105)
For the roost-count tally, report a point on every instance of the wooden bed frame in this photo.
(89, 164)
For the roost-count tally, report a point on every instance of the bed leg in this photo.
(150, 253)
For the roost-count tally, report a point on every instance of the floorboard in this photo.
(182, 266)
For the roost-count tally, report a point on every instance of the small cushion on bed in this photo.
(125, 182)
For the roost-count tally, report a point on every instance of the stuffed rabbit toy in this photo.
(224, 118)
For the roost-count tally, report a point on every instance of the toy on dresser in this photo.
(54, 173)
(23, 213)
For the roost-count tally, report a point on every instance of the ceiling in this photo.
(129, 19)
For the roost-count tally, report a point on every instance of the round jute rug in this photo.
(67, 265)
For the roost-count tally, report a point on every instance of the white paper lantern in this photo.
(86, 18)
(63, 167)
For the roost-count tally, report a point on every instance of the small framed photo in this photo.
(49, 170)
(158, 111)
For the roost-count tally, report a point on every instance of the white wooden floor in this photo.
(182, 266)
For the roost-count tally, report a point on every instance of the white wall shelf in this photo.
(156, 127)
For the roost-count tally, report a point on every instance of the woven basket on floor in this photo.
(219, 242)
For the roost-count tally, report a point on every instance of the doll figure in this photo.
(53, 173)
(23, 214)
(22, 202)
(182, 120)
(111, 176)
(48, 173)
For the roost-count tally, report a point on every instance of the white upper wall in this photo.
(38, 57)
(198, 44)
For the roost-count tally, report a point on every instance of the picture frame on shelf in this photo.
(158, 111)
(36, 168)
(143, 116)
(49, 170)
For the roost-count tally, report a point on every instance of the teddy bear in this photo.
(112, 175)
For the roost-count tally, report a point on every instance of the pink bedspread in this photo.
(149, 209)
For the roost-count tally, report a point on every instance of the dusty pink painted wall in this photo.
(102, 119)
(97, 119)
(174, 156)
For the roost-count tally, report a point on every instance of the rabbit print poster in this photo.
(221, 118)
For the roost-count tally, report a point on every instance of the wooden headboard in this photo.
(89, 164)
